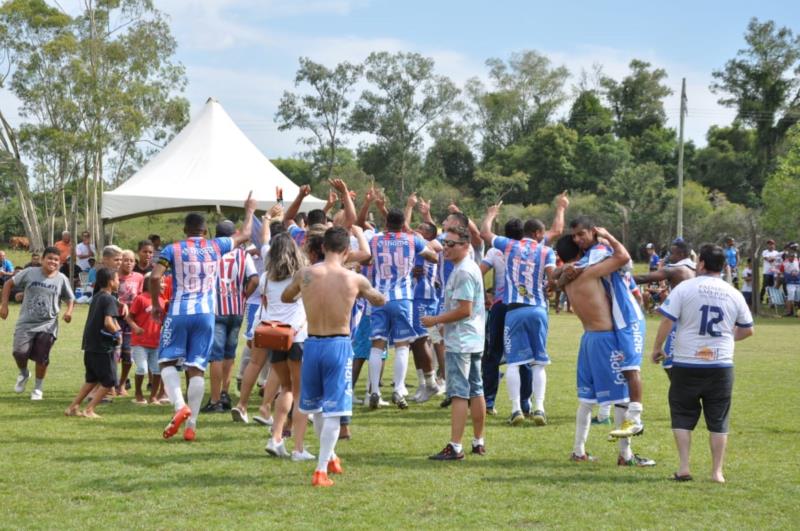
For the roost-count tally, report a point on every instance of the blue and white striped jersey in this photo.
(625, 311)
(393, 255)
(425, 286)
(526, 263)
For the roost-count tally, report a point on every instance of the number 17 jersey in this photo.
(194, 263)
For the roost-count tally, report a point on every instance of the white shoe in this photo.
(418, 394)
(305, 455)
(427, 392)
(21, 382)
(358, 402)
(276, 449)
(258, 419)
(239, 416)
(37, 394)
(382, 402)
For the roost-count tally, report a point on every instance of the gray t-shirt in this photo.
(465, 284)
(41, 300)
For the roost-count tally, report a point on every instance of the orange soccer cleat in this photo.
(189, 434)
(335, 466)
(175, 424)
(321, 479)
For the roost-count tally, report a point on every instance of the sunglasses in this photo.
(452, 243)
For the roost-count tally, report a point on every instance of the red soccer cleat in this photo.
(335, 466)
(321, 479)
(175, 424)
(189, 434)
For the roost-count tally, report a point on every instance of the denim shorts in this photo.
(146, 359)
(463, 374)
(226, 337)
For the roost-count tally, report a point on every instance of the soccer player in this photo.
(790, 277)
(628, 319)
(37, 325)
(678, 268)
(599, 375)
(528, 264)
(393, 253)
(711, 316)
(188, 331)
(464, 329)
(328, 291)
(237, 279)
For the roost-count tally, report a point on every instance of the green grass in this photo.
(69, 473)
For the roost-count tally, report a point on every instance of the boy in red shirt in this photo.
(146, 334)
(131, 284)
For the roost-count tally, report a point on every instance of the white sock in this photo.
(539, 386)
(478, 441)
(420, 378)
(400, 368)
(194, 395)
(39, 383)
(172, 385)
(318, 421)
(625, 442)
(583, 421)
(634, 411)
(603, 412)
(327, 442)
(456, 446)
(374, 369)
(430, 379)
(513, 385)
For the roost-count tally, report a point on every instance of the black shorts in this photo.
(34, 346)
(768, 280)
(295, 353)
(705, 389)
(100, 368)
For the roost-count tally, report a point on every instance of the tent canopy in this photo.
(210, 163)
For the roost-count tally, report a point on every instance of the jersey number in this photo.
(192, 282)
(712, 315)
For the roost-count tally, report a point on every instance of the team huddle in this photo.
(346, 291)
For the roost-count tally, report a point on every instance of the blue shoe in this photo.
(596, 421)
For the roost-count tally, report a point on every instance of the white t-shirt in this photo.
(497, 261)
(768, 267)
(747, 286)
(706, 310)
(82, 248)
(293, 313)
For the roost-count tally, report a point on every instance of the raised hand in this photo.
(276, 212)
(304, 190)
(493, 210)
(250, 204)
(452, 208)
(412, 200)
(338, 185)
(562, 201)
(424, 207)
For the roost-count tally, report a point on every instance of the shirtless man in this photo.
(329, 291)
(599, 374)
(680, 268)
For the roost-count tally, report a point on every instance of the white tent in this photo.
(210, 163)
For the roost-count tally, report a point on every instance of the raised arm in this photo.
(362, 255)
(408, 212)
(562, 202)
(247, 227)
(361, 220)
(424, 208)
(613, 262)
(294, 208)
(474, 232)
(347, 202)
(488, 221)
(373, 296)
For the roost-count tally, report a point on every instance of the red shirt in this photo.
(129, 287)
(140, 312)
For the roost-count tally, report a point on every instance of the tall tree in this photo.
(729, 163)
(781, 194)
(588, 115)
(406, 97)
(637, 194)
(763, 84)
(637, 100)
(524, 96)
(324, 111)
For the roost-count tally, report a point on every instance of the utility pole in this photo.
(680, 160)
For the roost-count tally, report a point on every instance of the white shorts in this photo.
(793, 292)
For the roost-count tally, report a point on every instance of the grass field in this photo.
(117, 472)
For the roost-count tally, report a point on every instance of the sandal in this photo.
(677, 477)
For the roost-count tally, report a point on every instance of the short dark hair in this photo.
(225, 229)
(532, 226)
(513, 229)
(275, 228)
(194, 222)
(462, 218)
(337, 240)
(50, 250)
(395, 219)
(461, 232)
(713, 257)
(682, 246)
(317, 216)
(567, 249)
(430, 228)
(104, 276)
(301, 216)
(143, 244)
(154, 237)
(582, 221)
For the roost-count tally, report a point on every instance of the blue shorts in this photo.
(631, 343)
(226, 337)
(463, 374)
(423, 308)
(392, 322)
(252, 309)
(525, 336)
(187, 339)
(326, 377)
(600, 377)
(669, 348)
(356, 315)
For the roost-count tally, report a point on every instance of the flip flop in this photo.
(677, 477)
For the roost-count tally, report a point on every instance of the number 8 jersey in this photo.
(706, 310)
(193, 263)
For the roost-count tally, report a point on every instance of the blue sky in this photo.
(244, 52)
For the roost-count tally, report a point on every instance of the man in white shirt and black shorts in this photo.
(710, 314)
